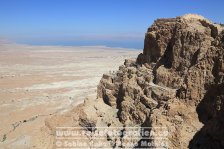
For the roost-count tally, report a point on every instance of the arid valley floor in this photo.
(37, 82)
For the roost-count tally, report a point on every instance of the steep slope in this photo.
(177, 83)
(179, 71)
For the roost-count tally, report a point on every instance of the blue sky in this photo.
(93, 22)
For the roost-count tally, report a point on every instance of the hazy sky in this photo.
(93, 21)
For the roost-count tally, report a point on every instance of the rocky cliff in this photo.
(176, 83)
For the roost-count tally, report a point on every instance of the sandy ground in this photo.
(37, 82)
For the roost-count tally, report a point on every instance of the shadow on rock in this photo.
(211, 114)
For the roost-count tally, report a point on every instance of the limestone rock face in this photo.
(178, 78)
(177, 83)
(182, 48)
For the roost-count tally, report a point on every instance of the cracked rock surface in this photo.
(177, 78)
(177, 83)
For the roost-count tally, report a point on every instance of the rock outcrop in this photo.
(178, 77)
(176, 83)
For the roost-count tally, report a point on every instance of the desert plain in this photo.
(37, 82)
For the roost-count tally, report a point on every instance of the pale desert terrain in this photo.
(37, 82)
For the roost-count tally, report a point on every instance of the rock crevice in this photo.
(169, 82)
(176, 83)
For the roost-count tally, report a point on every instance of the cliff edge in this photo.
(176, 83)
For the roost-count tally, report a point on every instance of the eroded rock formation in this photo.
(177, 83)
(179, 71)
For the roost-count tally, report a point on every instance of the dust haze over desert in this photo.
(111, 74)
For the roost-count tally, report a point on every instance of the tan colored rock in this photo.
(182, 59)
(176, 84)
